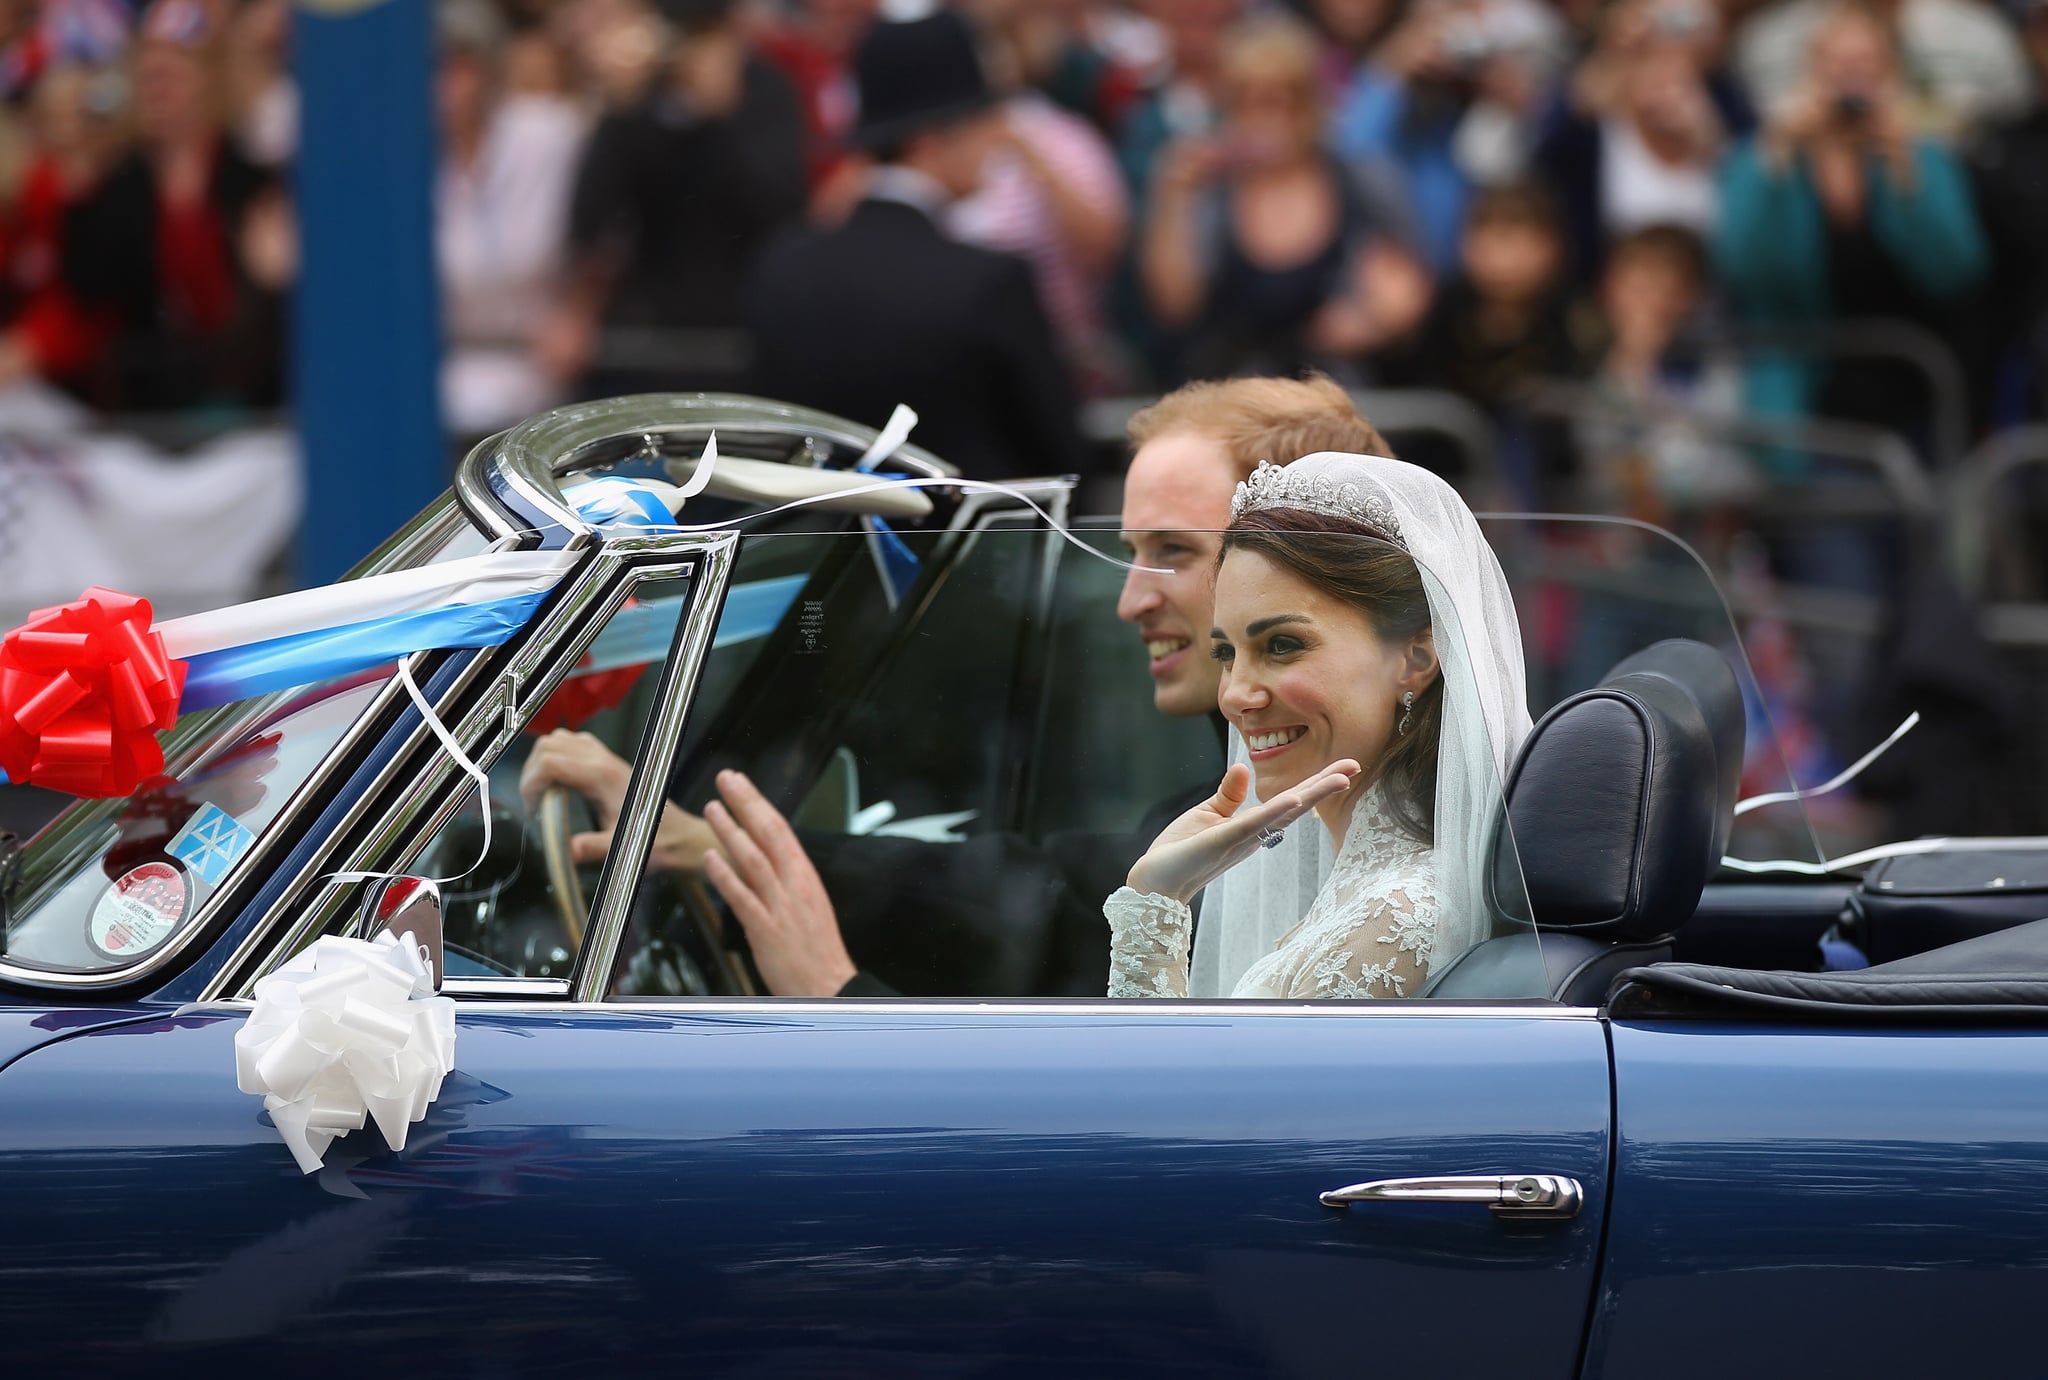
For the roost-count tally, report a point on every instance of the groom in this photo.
(1191, 449)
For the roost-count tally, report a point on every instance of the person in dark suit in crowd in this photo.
(885, 309)
(675, 197)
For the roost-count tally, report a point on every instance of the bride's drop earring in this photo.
(1407, 712)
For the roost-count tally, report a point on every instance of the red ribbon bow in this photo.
(85, 687)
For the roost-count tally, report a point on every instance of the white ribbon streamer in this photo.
(471, 580)
(707, 464)
(1905, 848)
(890, 438)
(462, 759)
(1854, 770)
(347, 1030)
(966, 485)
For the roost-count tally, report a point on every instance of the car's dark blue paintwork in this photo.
(1826, 1203)
(848, 1193)
(23, 1028)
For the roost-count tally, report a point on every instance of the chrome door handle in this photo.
(1509, 1195)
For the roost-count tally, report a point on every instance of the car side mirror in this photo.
(407, 905)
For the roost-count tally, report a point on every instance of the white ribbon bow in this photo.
(346, 1030)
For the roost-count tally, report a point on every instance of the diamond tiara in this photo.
(1273, 486)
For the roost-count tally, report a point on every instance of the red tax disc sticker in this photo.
(139, 911)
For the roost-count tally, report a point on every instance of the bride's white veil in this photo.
(1478, 639)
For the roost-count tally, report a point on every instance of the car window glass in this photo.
(971, 759)
(806, 612)
(1097, 791)
(109, 882)
(519, 902)
(1592, 592)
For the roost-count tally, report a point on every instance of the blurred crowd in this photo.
(1458, 194)
(146, 237)
(1004, 211)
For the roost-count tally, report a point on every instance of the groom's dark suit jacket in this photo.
(992, 916)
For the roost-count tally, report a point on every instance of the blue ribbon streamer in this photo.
(238, 673)
(900, 565)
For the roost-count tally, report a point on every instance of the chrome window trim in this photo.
(526, 459)
(1193, 1008)
(426, 532)
(529, 458)
(497, 990)
(585, 435)
(588, 596)
(1080, 1006)
(646, 793)
(529, 478)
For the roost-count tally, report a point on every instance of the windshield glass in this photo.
(108, 883)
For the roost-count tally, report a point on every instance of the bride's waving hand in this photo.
(1219, 833)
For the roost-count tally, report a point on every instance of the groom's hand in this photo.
(762, 871)
(582, 763)
(1221, 832)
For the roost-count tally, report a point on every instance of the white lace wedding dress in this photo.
(1371, 931)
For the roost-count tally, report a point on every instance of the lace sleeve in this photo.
(1387, 953)
(1148, 944)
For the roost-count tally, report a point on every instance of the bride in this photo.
(1348, 586)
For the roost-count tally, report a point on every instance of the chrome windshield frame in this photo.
(508, 487)
(419, 788)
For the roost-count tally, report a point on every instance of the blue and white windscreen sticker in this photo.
(210, 843)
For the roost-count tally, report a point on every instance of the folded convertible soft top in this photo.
(2001, 977)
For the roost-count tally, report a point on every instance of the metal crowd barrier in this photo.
(1892, 486)
(1900, 484)
(1881, 338)
(1982, 509)
(1974, 499)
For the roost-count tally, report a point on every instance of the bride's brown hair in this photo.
(1352, 562)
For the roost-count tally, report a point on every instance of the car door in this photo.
(1800, 1200)
(811, 1189)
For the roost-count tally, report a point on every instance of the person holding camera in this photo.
(1450, 98)
(1636, 136)
(1261, 251)
(1841, 209)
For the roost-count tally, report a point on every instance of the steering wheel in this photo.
(557, 819)
(555, 823)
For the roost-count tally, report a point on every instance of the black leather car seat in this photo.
(1620, 804)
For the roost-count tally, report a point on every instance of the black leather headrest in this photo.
(1705, 674)
(1622, 797)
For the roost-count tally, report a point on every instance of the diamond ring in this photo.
(1270, 838)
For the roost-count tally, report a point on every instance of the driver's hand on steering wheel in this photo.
(762, 871)
(582, 763)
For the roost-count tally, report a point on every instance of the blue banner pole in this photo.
(366, 325)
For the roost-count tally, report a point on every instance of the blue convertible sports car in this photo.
(1637, 1133)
